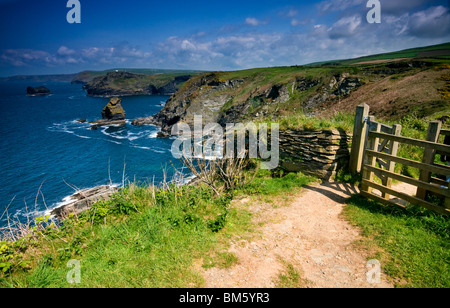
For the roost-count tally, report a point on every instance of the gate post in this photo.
(359, 138)
(434, 129)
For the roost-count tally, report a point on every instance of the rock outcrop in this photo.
(112, 114)
(232, 100)
(202, 95)
(113, 110)
(38, 91)
(143, 121)
(335, 88)
(82, 201)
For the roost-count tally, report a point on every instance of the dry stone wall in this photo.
(317, 153)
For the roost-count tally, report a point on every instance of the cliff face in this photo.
(394, 89)
(128, 84)
(231, 97)
(203, 95)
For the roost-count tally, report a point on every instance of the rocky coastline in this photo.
(221, 100)
(82, 200)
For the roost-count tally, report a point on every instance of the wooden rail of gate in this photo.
(374, 153)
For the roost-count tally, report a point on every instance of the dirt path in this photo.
(309, 234)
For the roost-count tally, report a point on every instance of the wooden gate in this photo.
(374, 154)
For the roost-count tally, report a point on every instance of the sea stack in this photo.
(38, 91)
(113, 110)
(112, 114)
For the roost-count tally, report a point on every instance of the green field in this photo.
(441, 51)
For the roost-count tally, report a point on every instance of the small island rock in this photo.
(113, 110)
(112, 114)
(38, 91)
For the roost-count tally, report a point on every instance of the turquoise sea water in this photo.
(42, 143)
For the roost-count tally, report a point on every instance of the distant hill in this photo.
(87, 76)
(120, 83)
(441, 51)
(41, 78)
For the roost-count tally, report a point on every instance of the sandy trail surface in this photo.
(310, 234)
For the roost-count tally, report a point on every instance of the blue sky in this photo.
(35, 37)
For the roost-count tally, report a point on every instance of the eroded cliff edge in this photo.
(392, 89)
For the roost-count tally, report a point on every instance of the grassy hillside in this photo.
(440, 51)
(393, 90)
(163, 238)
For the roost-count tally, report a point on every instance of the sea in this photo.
(46, 154)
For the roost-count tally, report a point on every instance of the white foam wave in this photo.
(153, 135)
(84, 137)
(158, 151)
(139, 147)
(130, 136)
(69, 127)
(112, 141)
(113, 135)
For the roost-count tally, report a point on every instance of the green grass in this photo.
(268, 185)
(413, 245)
(299, 121)
(220, 260)
(147, 237)
(141, 237)
(290, 277)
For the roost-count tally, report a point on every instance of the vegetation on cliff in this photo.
(393, 90)
(126, 84)
(146, 236)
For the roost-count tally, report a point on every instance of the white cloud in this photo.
(433, 22)
(329, 6)
(22, 57)
(295, 22)
(292, 13)
(238, 46)
(251, 21)
(93, 56)
(186, 45)
(399, 7)
(345, 27)
(64, 51)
